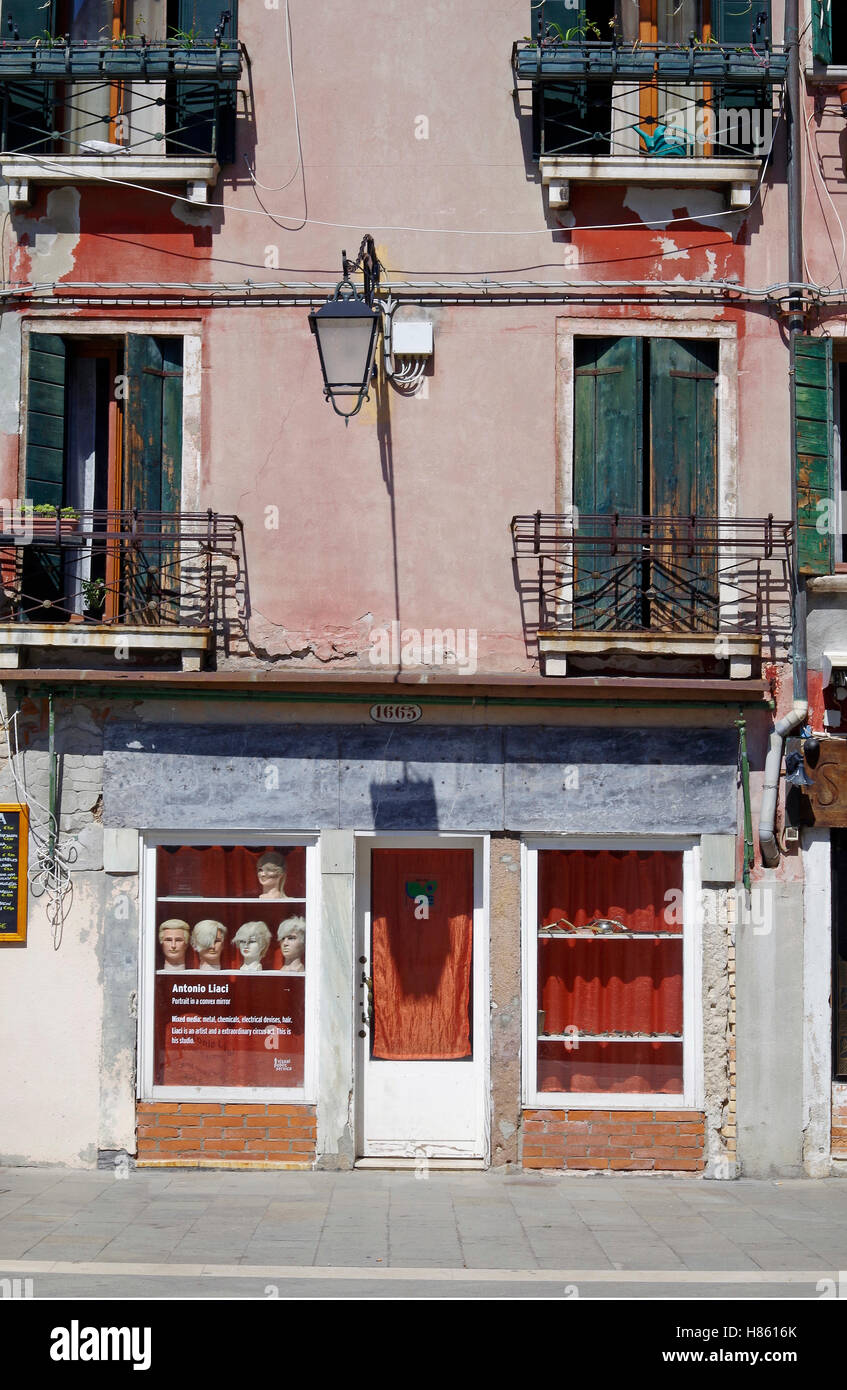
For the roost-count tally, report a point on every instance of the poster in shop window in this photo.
(14, 832)
(230, 966)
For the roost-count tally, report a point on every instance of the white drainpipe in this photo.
(773, 765)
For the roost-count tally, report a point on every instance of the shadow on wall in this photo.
(409, 803)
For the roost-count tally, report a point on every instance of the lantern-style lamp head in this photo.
(346, 328)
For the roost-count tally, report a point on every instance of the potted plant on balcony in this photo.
(125, 56)
(47, 523)
(675, 62)
(51, 55)
(94, 593)
(747, 65)
(15, 59)
(199, 56)
(709, 60)
(635, 61)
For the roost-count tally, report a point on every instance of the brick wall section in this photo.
(669, 1141)
(249, 1133)
(839, 1120)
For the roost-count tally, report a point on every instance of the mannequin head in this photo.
(270, 871)
(208, 939)
(292, 939)
(252, 940)
(173, 939)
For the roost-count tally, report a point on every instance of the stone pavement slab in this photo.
(528, 1226)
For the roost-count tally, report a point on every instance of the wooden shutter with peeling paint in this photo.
(813, 453)
(153, 474)
(45, 469)
(822, 30)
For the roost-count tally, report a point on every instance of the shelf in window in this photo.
(577, 1038)
(264, 902)
(545, 935)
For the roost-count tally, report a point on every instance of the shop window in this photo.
(611, 937)
(229, 963)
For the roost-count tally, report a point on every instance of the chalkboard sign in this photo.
(14, 832)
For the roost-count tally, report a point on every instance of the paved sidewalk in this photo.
(367, 1233)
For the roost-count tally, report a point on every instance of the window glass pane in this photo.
(230, 965)
(610, 996)
(91, 19)
(678, 19)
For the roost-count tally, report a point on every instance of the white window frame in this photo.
(268, 1095)
(692, 1096)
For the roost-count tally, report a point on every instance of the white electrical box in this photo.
(411, 338)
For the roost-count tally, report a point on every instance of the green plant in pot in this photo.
(46, 519)
(94, 593)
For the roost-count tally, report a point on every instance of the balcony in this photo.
(149, 113)
(132, 586)
(627, 594)
(659, 114)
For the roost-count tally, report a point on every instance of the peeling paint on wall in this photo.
(52, 239)
(659, 207)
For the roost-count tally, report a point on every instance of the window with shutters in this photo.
(644, 445)
(103, 441)
(90, 80)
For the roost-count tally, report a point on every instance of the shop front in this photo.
(448, 944)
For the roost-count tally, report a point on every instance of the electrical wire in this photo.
(813, 161)
(251, 170)
(50, 874)
(278, 217)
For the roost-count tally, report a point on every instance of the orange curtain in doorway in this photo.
(421, 964)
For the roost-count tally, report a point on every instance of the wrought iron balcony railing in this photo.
(132, 568)
(655, 575)
(659, 101)
(80, 99)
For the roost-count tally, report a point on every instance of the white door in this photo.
(421, 1005)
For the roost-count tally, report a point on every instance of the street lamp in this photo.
(346, 329)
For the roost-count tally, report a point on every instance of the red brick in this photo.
(303, 1147)
(200, 1109)
(157, 1132)
(234, 1131)
(532, 1150)
(244, 1110)
(588, 1163)
(633, 1114)
(592, 1115)
(687, 1115)
(684, 1165)
(279, 1110)
(622, 1165)
(269, 1145)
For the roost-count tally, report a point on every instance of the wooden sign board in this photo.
(825, 802)
(14, 836)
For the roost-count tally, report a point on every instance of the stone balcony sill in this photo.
(741, 650)
(197, 174)
(18, 638)
(559, 172)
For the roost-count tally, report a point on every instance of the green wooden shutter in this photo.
(45, 467)
(559, 12)
(152, 467)
(45, 420)
(202, 115)
(734, 21)
(683, 472)
(822, 30)
(608, 474)
(153, 474)
(813, 452)
(31, 18)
